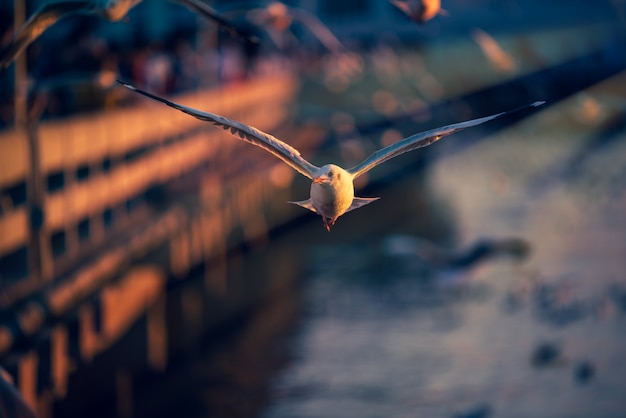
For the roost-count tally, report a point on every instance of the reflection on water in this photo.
(386, 334)
(230, 378)
(397, 341)
(391, 325)
(374, 343)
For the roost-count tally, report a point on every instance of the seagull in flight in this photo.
(277, 17)
(112, 10)
(332, 187)
(419, 11)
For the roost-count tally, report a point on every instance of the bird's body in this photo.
(419, 11)
(332, 187)
(332, 194)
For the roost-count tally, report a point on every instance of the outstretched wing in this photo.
(318, 29)
(204, 9)
(423, 139)
(43, 18)
(285, 152)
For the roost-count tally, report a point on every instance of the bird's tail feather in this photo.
(305, 204)
(358, 202)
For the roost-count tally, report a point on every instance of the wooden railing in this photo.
(126, 151)
(90, 165)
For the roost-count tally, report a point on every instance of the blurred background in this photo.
(150, 265)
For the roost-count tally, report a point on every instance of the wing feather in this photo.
(42, 19)
(285, 152)
(204, 9)
(423, 139)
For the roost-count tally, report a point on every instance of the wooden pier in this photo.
(133, 200)
(117, 225)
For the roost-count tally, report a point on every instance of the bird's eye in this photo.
(330, 174)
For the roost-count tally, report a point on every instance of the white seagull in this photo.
(332, 188)
(112, 10)
(277, 17)
(419, 11)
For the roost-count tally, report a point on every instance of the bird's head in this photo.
(329, 175)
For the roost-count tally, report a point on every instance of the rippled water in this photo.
(380, 331)
(405, 345)
(386, 335)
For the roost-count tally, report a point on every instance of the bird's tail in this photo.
(358, 202)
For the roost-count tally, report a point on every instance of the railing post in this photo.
(35, 207)
(33, 181)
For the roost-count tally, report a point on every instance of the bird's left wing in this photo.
(204, 9)
(423, 139)
(285, 152)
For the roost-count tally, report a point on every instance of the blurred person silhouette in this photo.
(12, 405)
(112, 10)
(158, 70)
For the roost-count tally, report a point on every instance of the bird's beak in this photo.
(321, 179)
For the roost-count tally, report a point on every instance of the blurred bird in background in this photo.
(497, 57)
(420, 11)
(278, 19)
(438, 257)
(112, 10)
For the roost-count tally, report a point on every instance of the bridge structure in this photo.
(129, 201)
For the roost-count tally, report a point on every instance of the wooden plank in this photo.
(54, 208)
(127, 299)
(13, 157)
(14, 227)
(87, 139)
(53, 146)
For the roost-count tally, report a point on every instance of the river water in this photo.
(489, 284)
(386, 333)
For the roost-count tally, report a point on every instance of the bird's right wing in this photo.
(43, 18)
(318, 29)
(424, 139)
(285, 152)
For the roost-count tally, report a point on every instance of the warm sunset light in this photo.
(312, 209)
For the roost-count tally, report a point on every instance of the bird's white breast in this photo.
(333, 199)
